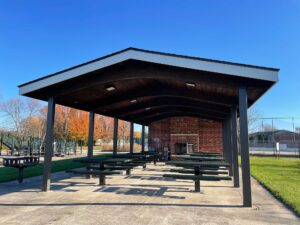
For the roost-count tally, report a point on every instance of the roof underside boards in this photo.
(146, 89)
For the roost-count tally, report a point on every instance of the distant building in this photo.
(274, 136)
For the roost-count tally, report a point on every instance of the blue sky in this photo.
(41, 37)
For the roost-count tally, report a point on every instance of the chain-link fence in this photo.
(277, 135)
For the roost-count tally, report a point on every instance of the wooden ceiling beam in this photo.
(171, 101)
(137, 114)
(160, 116)
(151, 113)
(159, 92)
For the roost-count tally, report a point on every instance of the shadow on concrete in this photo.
(179, 186)
(34, 184)
(171, 188)
(119, 204)
(160, 192)
(157, 170)
(64, 185)
(153, 178)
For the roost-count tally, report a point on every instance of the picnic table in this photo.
(199, 158)
(204, 154)
(102, 161)
(199, 164)
(147, 156)
(200, 173)
(199, 167)
(141, 157)
(21, 163)
(101, 170)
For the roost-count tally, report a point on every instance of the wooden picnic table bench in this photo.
(204, 154)
(198, 164)
(125, 167)
(102, 162)
(142, 162)
(198, 158)
(198, 170)
(21, 163)
(197, 178)
(138, 158)
(134, 164)
(220, 168)
(144, 156)
(101, 173)
(153, 155)
(192, 171)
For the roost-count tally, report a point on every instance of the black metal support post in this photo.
(21, 174)
(236, 178)
(91, 139)
(102, 179)
(115, 141)
(131, 137)
(143, 139)
(225, 141)
(49, 145)
(91, 135)
(229, 146)
(243, 105)
(197, 185)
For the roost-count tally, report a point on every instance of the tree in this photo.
(268, 127)
(103, 128)
(21, 115)
(62, 120)
(123, 129)
(123, 132)
(78, 126)
(253, 117)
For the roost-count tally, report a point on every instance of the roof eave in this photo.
(221, 67)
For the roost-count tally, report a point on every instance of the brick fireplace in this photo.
(180, 133)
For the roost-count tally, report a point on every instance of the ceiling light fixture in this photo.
(133, 100)
(148, 108)
(189, 84)
(110, 87)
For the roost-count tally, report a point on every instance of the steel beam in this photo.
(247, 199)
(229, 132)
(91, 134)
(131, 137)
(143, 138)
(115, 141)
(236, 178)
(224, 140)
(49, 145)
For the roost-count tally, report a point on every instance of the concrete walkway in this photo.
(142, 198)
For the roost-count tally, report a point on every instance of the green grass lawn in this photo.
(9, 174)
(281, 176)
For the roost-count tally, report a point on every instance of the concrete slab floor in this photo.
(142, 198)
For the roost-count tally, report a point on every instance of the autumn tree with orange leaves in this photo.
(27, 118)
(78, 124)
